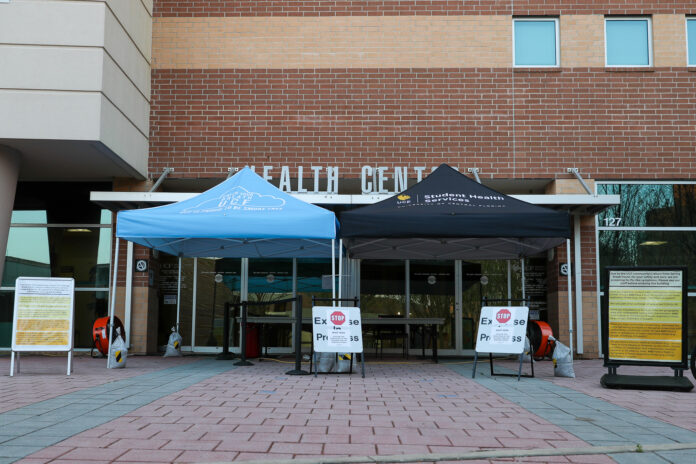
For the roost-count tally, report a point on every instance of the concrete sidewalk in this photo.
(196, 409)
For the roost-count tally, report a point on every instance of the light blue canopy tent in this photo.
(243, 217)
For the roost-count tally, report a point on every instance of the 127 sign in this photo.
(502, 329)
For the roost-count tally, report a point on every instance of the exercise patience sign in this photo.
(337, 329)
(502, 329)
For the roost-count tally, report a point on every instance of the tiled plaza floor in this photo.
(202, 410)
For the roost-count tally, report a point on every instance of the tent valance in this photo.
(449, 216)
(244, 216)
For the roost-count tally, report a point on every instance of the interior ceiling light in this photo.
(653, 243)
(79, 230)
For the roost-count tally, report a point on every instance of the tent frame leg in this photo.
(243, 361)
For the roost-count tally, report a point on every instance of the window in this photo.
(535, 42)
(691, 41)
(653, 226)
(628, 42)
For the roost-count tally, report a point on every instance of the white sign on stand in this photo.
(43, 317)
(502, 330)
(337, 329)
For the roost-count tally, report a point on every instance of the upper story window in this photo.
(691, 41)
(628, 41)
(535, 42)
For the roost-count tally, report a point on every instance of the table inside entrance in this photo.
(431, 323)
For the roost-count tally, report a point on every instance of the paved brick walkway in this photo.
(204, 412)
(672, 407)
(43, 377)
(581, 406)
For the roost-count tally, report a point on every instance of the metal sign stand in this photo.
(662, 279)
(43, 291)
(502, 330)
(519, 370)
(313, 359)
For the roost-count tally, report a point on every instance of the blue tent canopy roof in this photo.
(244, 216)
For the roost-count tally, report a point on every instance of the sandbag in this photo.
(527, 353)
(326, 362)
(118, 352)
(174, 344)
(343, 363)
(562, 361)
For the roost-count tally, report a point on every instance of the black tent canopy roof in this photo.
(449, 216)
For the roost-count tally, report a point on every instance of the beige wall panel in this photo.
(148, 5)
(582, 41)
(122, 93)
(126, 55)
(669, 40)
(136, 19)
(326, 42)
(568, 186)
(51, 68)
(52, 23)
(34, 114)
(122, 137)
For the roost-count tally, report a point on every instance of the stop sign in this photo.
(338, 318)
(503, 316)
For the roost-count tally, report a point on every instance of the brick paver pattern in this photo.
(259, 412)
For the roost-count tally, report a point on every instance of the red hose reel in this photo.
(541, 338)
(100, 333)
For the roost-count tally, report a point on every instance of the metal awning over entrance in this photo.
(580, 204)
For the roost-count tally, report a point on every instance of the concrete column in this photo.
(9, 172)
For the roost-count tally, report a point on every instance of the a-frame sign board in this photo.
(644, 322)
(502, 330)
(337, 329)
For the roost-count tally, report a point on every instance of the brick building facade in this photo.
(409, 84)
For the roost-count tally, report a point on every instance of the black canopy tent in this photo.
(449, 216)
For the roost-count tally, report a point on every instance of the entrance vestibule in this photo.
(449, 289)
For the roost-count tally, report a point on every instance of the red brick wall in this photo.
(203, 8)
(607, 124)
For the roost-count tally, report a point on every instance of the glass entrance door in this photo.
(431, 294)
(497, 282)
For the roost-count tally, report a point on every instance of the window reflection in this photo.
(168, 284)
(382, 287)
(29, 217)
(311, 282)
(691, 317)
(382, 293)
(648, 248)
(212, 294)
(432, 295)
(6, 307)
(271, 280)
(650, 205)
(78, 252)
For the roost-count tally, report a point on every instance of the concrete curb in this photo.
(492, 454)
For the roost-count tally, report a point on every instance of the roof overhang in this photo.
(573, 203)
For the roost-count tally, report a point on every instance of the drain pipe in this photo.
(570, 300)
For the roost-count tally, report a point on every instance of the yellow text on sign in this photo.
(643, 305)
(652, 350)
(640, 331)
(42, 338)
